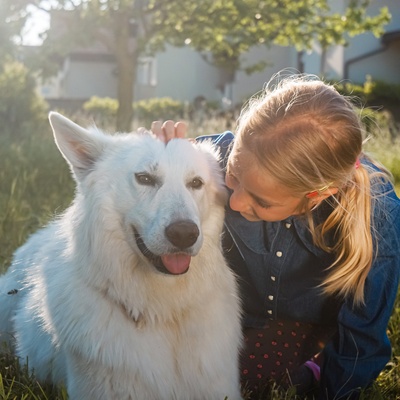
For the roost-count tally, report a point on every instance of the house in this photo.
(182, 74)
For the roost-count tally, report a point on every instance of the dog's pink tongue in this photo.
(176, 263)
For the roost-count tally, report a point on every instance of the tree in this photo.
(13, 15)
(335, 28)
(222, 30)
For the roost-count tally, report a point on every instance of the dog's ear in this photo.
(78, 146)
(213, 156)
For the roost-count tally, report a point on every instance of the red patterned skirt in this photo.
(272, 352)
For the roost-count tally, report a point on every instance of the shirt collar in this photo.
(252, 233)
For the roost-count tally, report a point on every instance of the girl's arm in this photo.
(360, 349)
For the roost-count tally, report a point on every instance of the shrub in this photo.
(372, 93)
(163, 108)
(20, 105)
(102, 109)
(376, 90)
(351, 89)
(384, 139)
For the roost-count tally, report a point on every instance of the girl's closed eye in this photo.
(262, 203)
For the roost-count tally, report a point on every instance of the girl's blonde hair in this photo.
(308, 136)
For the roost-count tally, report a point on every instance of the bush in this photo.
(372, 93)
(20, 105)
(376, 90)
(351, 89)
(163, 108)
(384, 139)
(102, 109)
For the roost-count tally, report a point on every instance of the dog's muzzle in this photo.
(182, 235)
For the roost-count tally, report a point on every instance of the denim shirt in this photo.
(279, 272)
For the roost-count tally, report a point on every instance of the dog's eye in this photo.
(145, 179)
(196, 183)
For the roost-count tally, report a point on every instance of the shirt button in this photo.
(270, 297)
(288, 225)
(273, 278)
(269, 312)
(279, 254)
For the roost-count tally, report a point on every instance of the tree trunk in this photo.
(126, 58)
(322, 65)
(126, 79)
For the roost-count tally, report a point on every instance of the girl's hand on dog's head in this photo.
(169, 130)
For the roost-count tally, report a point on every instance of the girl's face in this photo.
(256, 195)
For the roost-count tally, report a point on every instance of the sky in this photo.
(35, 25)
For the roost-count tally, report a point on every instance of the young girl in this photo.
(313, 231)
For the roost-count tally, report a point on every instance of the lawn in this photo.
(35, 185)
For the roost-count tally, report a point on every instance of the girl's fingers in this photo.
(156, 128)
(169, 130)
(180, 129)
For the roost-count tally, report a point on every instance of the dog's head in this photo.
(160, 199)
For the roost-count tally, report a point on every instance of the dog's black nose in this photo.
(182, 234)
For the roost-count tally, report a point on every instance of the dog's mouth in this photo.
(171, 264)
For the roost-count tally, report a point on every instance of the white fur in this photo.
(91, 311)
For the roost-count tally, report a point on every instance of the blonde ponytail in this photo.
(350, 222)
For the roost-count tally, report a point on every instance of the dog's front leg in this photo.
(91, 380)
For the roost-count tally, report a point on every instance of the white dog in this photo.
(127, 295)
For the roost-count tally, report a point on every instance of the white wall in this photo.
(277, 58)
(183, 75)
(83, 79)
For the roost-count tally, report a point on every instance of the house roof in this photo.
(390, 37)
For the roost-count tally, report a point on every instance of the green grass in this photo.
(35, 184)
(18, 382)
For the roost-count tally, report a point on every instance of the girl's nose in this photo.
(239, 200)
